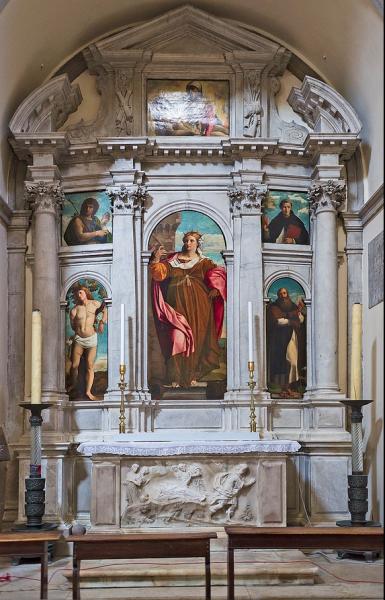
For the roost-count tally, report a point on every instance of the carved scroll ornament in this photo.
(249, 200)
(44, 197)
(324, 196)
(127, 199)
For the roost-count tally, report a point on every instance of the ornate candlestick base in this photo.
(357, 481)
(251, 384)
(35, 483)
(122, 386)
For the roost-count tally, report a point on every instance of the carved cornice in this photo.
(323, 109)
(327, 196)
(43, 197)
(247, 200)
(127, 199)
(373, 206)
(47, 108)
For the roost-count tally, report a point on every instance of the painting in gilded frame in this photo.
(285, 218)
(86, 219)
(183, 107)
(286, 339)
(187, 321)
(86, 335)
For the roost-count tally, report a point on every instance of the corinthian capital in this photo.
(326, 196)
(127, 199)
(42, 196)
(247, 200)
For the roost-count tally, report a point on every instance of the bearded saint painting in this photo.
(188, 299)
(286, 339)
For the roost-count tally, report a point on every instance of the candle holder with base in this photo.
(35, 483)
(122, 386)
(357, 481)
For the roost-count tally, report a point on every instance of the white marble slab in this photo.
(175, 448)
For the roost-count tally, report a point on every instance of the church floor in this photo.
(349, 578)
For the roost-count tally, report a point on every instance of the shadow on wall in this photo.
(376, 427)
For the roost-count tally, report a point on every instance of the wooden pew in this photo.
(30, 544)
(144, 545)
(261, 538)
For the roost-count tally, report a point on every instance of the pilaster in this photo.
(245, 206)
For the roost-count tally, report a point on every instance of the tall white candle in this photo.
(36, 358)
(250, 323)
(122, 334)
(356, 352)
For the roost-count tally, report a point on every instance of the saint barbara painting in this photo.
(286, 339)
(187, 336)
(86, 219)
(86, 340)
(183, 107)
(285, 218)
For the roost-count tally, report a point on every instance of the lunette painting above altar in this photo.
(184, 86)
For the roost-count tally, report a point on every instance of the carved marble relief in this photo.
(252, 104)
(188, 492)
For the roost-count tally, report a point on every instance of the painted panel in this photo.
(86, 219)
(285, 218)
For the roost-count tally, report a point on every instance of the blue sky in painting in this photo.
(293, 287)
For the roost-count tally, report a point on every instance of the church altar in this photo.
(238, 479)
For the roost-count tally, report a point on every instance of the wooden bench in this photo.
(260, 538)
(30, 544)
(145, 545)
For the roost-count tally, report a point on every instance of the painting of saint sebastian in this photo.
(188, 296)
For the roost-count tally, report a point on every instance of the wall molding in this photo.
(5, 212)
(373, 206)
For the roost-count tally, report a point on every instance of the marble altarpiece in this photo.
(87, 135)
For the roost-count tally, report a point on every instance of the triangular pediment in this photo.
(185, 30)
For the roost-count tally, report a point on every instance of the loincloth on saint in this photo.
(87, 342)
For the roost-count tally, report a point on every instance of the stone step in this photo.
(286, 567)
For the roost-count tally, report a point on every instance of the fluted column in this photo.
(245, 205)
(326, 197)
(45, 199)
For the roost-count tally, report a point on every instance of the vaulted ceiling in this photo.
(341, 40)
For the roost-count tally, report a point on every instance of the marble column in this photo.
(45, 199)
(245, 205)
(326, 197)
(126, 200)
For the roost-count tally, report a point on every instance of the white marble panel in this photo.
(84, 419)
(329, 417)
(287, 418)
(82, 486)
(186, 418)
(329, 485)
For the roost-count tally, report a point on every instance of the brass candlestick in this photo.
(122, 386)
(251, 384)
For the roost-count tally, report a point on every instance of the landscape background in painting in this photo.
(100, 382)
(297, 294)
(72, 205)
(169, 233)
(171, 111)
(300, 205)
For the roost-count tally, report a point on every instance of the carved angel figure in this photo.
(226, 489)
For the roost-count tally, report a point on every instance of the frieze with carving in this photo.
(246, 200)
(329, 195)
(42, 196)
(187, 492)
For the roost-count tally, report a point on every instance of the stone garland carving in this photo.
(42, 196)
(126, 199)
(247, 200)
(252, 105)
(185, 493)
(124, 91)
(325, 196)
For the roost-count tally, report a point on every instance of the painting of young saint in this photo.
(86, 340)
(187, 337)
(86, 219)
(285, 218)
(286, 339)
(183, 107)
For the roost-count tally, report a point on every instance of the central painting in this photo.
(187, 321)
